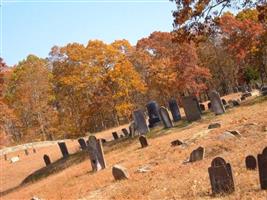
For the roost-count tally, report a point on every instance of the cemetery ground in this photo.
(157, 171)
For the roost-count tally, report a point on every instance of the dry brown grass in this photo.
(169, 178)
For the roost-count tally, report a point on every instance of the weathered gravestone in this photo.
(209, 106)
(96, 153)
(82, 143)
(143, 141)
(5, 156)
(224, 102)
(47, 160)
(153, 113)
(176, 142)
(63, 149)
(33, 150)
(132, 129)
(125, 132)
(251, 163)
(262, 165)
(140, 122)
(119, 172)
(165, 117)
(115, 135)
(202, 107)
(191, 108)
(235, 89)
(197, 154)
(221, 178)
(216, 103)
(176, 115)
(26, 152)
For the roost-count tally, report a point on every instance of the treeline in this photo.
(87, 88)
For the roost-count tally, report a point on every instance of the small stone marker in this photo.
(5, 156)
(191, 108)
(115, 135)
(209, 106)
(14, 159)
(125, 132)
(26, 152)
(176, 115)
(132, 129)
(140, 122)
(233, 102)
(262, 165)
(143, 141)
(82, 143)
(47, 160)
(33, 150)
(221, 178)
(176, 143)
(119, 172)
(235, 133)
(63, 149)
(216, 103)
(202, 107)
(96, 154)
(224, 102)
(153, 114)
(165, 117)
(197, 154)
(251, 163)
(214, 125)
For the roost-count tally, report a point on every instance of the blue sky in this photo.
(34, 27)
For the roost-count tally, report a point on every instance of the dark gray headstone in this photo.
(125, 132)
(96, 153)
(209, 106)
(235, 89)
(197, 154)
(221, 177)
(262, 165)
(63, 149)
(202, 107)
(140, 122)
(176, 143)
(82, 143)
(216, 103)
(115, 135)
(165, 117)
(119, 172)
(5, 156)
(47, 160)
(153, 113)
(224, 102)
(191, 108)
(26, 152)
(143, 141)
(251, 163)
(176, 115)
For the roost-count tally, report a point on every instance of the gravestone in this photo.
(197, 154)
(176, 143)
(96, 153)
(47, 160)
(202, 107)
(143, 141)
(216, 103)
(33, 150)
(214, 125)
(153, 113)
(165, 117)
(132, 129)
(26, 152)
(82, 143)
(191, 108)
(119, 172)
(63, 149)
(262, 165)
(5, 156)
(224, 102)
(140, 122)
(264, 90)
(176, 115)
(115, 135)
(221, 178)
(121, 136)
(251, 163)
(209, 106)
(235, 89)
(125, 132)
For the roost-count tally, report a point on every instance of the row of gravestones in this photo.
(26, 151)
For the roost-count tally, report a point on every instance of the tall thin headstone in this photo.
(143, 141)
(140, 122)
(132, 129)
(176, 115)
(82, 143)
(165, 117)
(115, 135)
(5, 156)
(47, 160)
(262, 165)
(216, 103)
(26, 152)
(191, 108)
(125, 132)
(63, 149)
(96, 154)
(153, 113)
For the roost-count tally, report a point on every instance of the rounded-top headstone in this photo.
(143, 141)
(119, 172)
(218, 161)
(264, 152)
(251, 162)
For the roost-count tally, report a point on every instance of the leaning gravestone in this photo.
(197, 154)
(153, 113)
(262, 165)
(63, 149)
(216, 103)
(143, 141)
(119, 172)
(165, 117)
(47, 160)
(191, 108)
(140, 122)
(115, 135)
(125, 132)
(96, 153)
(251, 163)
(82, 143)
(221, 178)
(174, 110)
